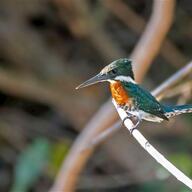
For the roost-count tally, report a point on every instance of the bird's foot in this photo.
(120, 106)
(135, 120)
(131, 130)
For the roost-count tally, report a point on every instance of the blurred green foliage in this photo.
(183, 161)
(58, 152)
(30, 164)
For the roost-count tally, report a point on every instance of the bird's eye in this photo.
(113, 71)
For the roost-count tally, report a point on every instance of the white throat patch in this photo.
(125, 78)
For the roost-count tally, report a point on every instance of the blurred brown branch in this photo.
(33, 89)
(145, 51)
(136, 23)
(81, 22)
(109, 181)
(37, 72)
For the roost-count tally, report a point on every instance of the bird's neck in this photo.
(127, 79)
(118, 93)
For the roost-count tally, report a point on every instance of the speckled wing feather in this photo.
(143, 100)
(172, 111)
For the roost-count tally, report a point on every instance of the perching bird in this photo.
(129, 95)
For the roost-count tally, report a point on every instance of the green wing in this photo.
(143, 100)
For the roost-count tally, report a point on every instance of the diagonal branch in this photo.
(151, 150)
(186, 70)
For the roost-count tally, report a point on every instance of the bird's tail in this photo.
(177, 110)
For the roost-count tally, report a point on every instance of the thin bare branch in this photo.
(174, 79)
(151, 150)
(105, 134)
(178, 90)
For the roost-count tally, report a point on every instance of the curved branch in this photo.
(143, 55)
(136, 23)
(148, 47)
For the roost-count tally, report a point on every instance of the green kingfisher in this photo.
(129, 95)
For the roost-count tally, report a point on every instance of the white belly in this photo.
(143, 115)
(149, 117)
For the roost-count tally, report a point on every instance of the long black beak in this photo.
(93, 80)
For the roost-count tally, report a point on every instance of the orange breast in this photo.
(118, 93)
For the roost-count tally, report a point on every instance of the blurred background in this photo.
(47, 48)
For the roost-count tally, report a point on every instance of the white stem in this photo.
(151, 150)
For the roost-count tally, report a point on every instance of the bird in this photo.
(138, 102)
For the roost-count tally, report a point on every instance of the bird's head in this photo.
(119, 70)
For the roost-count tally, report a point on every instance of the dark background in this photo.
(46, 49)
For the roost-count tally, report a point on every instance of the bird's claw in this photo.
(131, 130)
(119, 106)
(127, 117)
(135, 120)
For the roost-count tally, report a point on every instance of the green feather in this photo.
(183, 108)
(143, 100)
